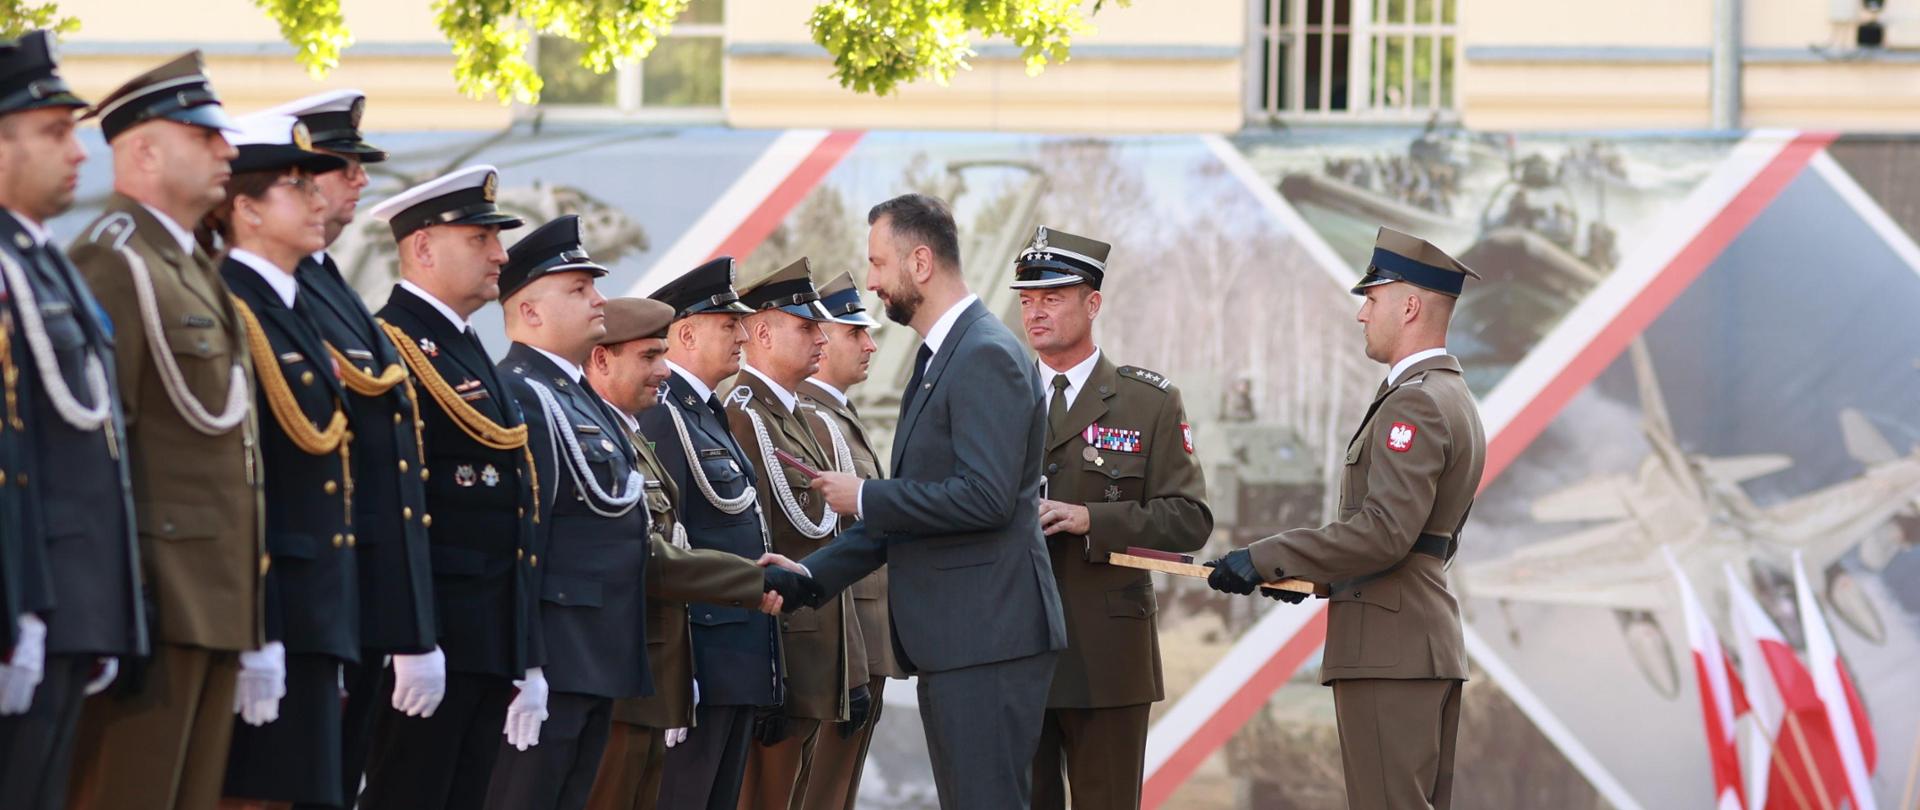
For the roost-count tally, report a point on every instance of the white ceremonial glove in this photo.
(419, 682)
(527, 711)
(676, 736)
(22, 672)
(109, 669)
(262, 683)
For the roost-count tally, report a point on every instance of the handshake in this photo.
(789, 586)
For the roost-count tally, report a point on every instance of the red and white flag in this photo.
(1793, 741)
(1718, 688)
(1852, 730)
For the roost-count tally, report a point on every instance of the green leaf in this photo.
(315, 28)
(879, 44)
(20, 16)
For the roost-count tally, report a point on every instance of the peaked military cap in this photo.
(177, 91)
(788, 289)
(30, 75)
(707, 288)
(462, 197)
(551, 248)
(841, 299)
(1056, 258)
(268, 142)
(636, 318)
(333, 119)
(1403, 257)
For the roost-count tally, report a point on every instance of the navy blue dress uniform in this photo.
(1121, 449)
(389, 465)
(481, 493)
(592, 610)
(736, 650)
(185, 384)
(84, 540)
(312, 597)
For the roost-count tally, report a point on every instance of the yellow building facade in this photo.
(1154, 66)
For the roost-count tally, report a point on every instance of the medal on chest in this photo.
(463, 475)
(429, 347)
(1119, 440)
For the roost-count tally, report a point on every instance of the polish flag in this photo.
(1852, 732)
(1792, 742)
(1718, 689)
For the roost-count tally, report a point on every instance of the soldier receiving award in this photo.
(1120, 472)
(1396, 657)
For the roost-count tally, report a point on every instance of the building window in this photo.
(1386, 59)
(682, 78)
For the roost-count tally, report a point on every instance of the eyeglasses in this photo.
(300, 183)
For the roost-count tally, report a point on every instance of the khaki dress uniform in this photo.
(160, 739)
(1122, 449)
(817, 642)
(1395, 653)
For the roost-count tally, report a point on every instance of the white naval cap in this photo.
(268, 142)
(462, 197)
(333, 117)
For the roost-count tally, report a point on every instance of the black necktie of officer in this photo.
(1057, 407)
(920, 362)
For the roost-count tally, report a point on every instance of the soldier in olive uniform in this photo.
(784, 345)
(389, 468)
(1120, 472)
(185, 380)
(286, 743)
(83, 499)
(481, 493)
(628, 370)
(1395, 655)
(833, 779)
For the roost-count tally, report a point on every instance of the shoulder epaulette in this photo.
(740, 397)
(114, 229)
(1153, 378)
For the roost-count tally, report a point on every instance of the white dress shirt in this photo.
(459, 324)
(838, 395)
(1407, 362)
(35, 231)
(180, 234)
(572, 369)
(282, 282)
(705, 391)
(1076, 378)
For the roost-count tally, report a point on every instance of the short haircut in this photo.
(922, 220)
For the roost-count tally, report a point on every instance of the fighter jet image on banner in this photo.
(1696, 506)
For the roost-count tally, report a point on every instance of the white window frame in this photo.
(1268, 101)
(629, 82)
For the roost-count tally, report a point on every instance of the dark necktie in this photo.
(920, 362)
(1057, 408)
(719, 408)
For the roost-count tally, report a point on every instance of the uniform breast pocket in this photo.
(724, 474)
(204, 344)
(1351, 481)
(1120, 476)
(63, 329)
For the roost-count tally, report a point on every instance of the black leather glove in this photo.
(796, 591)
(1234, 573)
(770, 725)
(1289, 597)
(859, 709)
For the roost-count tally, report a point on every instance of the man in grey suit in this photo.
(975, 612)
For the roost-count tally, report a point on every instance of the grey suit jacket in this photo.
(959, 524)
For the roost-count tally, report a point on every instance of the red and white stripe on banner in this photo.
(1680, 246)
(756, 203)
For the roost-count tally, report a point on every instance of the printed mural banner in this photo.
(1696, 347)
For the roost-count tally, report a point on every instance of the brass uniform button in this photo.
(406, 513)
(423, 473)
(3, 478)
(520, 554)
(339, 540)
(534, 560)
(266, 562)
(523, 511)
(330, 487)
(306, 378)
(396, 418)
(350, 540)
(426, 521)
(403, 465)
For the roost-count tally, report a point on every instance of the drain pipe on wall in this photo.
(1725, 68)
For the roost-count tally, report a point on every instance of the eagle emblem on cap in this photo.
(302, 139)
(492, 185)
(1039, 238)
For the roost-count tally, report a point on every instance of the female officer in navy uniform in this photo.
(286, 744)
